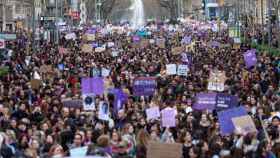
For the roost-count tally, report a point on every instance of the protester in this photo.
(43, 95)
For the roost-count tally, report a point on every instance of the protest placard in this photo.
(205, 101)
(105, 72)
(88, 102)
(103, 111)
(35, 83)
(183, 70)
(187, 40)
(110, 44)
(87, 48)
(164, 150)
(100, 49)
(216, 81)
(115, 53)
(70, 36)
(244, 124)
(171, 69)
(72, 103)
(144, 86)
(92, 86)
(79, 152)
(90, 37)
(226, 124)
(225, 101)
(153, 113)
(250, 58)
(168, 118)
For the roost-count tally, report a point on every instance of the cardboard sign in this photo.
(245, 124)
(164, 150)
(35, 83)
(90, 37)
(216, 81)
(87, 48)
(177, 50)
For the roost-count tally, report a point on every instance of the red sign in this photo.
(75, 15)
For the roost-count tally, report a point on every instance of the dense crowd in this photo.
(35, 122)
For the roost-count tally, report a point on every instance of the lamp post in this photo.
(269, 22)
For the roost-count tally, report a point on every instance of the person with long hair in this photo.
(142, 142)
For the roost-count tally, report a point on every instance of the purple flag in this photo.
(144, 86)
(92, 86)
(225, 117)
(225, 101)
(250, 58)
(205, 101)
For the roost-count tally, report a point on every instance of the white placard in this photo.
(152, 113)
(110, 44)
(70, 36)
(171, 69)
(103, 111)
(88, 102)
(183, 70)
(105, 72)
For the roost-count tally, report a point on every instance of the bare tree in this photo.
(171, 6)
(107, 7)
(276, 5)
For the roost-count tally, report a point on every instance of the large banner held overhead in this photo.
(92, 86)
(144, 86)
(205, 101)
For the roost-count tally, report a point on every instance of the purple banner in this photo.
(92, 86)
(225, 101)
(250, 58)
(144, 86)
(205, 101)
(72, 103)
(225, 119)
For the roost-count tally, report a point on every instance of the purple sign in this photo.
(205, 101)
(168, 118)
(225, 101)
(186, 58)
(250, 58)
(144, 86)
(92, 86)
(91, 31)
(225, 119)
(187, 40)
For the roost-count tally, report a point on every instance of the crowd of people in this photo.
(35, 122)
